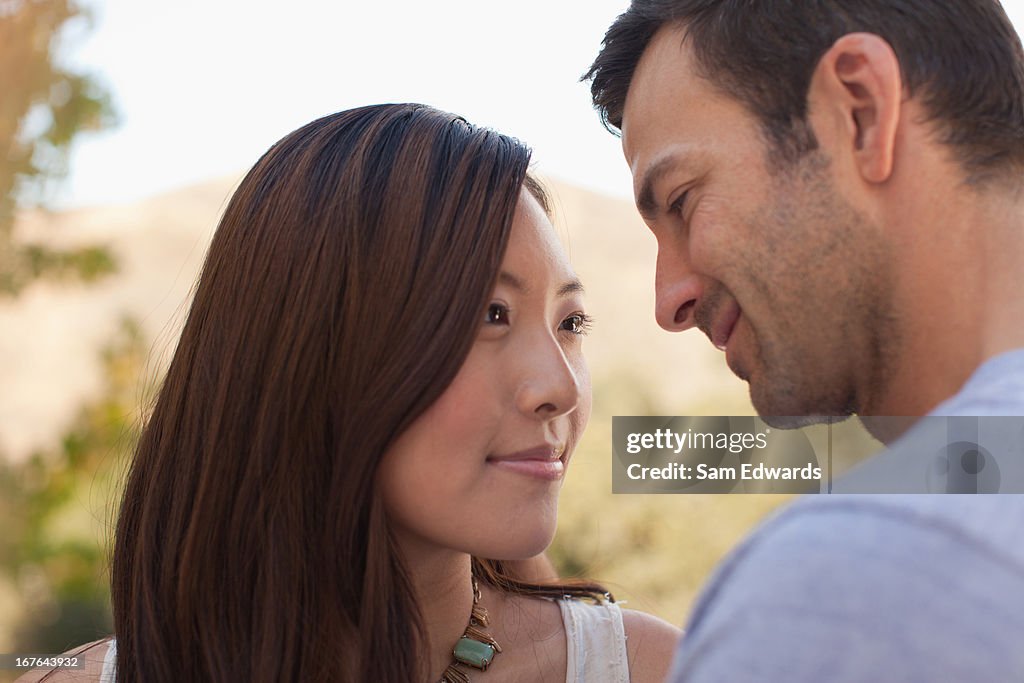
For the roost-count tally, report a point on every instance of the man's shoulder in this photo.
(995, 388)
(834, 528)
(868, 571)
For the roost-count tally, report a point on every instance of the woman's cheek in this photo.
(578, 418)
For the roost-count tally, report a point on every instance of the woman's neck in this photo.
(530, 631)
(441, 580)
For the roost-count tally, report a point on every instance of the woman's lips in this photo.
(543, 462)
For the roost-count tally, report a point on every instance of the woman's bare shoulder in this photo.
(93, 653)
(650, 645)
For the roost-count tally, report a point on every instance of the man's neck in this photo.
(959, 298)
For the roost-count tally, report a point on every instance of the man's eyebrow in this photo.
(570, 287)
(646, 204)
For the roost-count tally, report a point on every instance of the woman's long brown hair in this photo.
(341, 293)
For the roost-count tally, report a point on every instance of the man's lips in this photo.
(723, 325)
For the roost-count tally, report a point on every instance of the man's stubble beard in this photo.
(829, 341)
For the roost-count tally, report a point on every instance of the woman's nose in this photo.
(549, 386)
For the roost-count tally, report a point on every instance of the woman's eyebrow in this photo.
(573, 286)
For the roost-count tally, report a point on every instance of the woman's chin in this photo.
(518, 546)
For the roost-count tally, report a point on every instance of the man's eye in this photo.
(679, 204)
(497, 314)
(577, 323)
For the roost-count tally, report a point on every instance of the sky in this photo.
(203, 88)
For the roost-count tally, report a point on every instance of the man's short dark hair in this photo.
(962, 57)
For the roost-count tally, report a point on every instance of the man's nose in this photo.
(677, 291)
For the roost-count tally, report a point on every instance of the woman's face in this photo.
(480, 470)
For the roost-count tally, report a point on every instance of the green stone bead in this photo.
(474, 653)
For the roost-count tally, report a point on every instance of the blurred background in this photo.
(125, 125)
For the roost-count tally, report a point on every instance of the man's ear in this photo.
(857, 88)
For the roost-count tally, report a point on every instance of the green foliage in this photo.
(33, 261)
(62, 505)
(43, 108)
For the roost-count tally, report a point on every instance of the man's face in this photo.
(766, 258)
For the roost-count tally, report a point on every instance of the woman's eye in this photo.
(577, 323)
(497, 314)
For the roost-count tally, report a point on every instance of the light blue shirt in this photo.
(883, 588)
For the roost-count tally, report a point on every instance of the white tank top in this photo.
(595, 642)
(109, 675)
(594, 636)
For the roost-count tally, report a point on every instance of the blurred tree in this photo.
(43, 107)
(60, 506)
